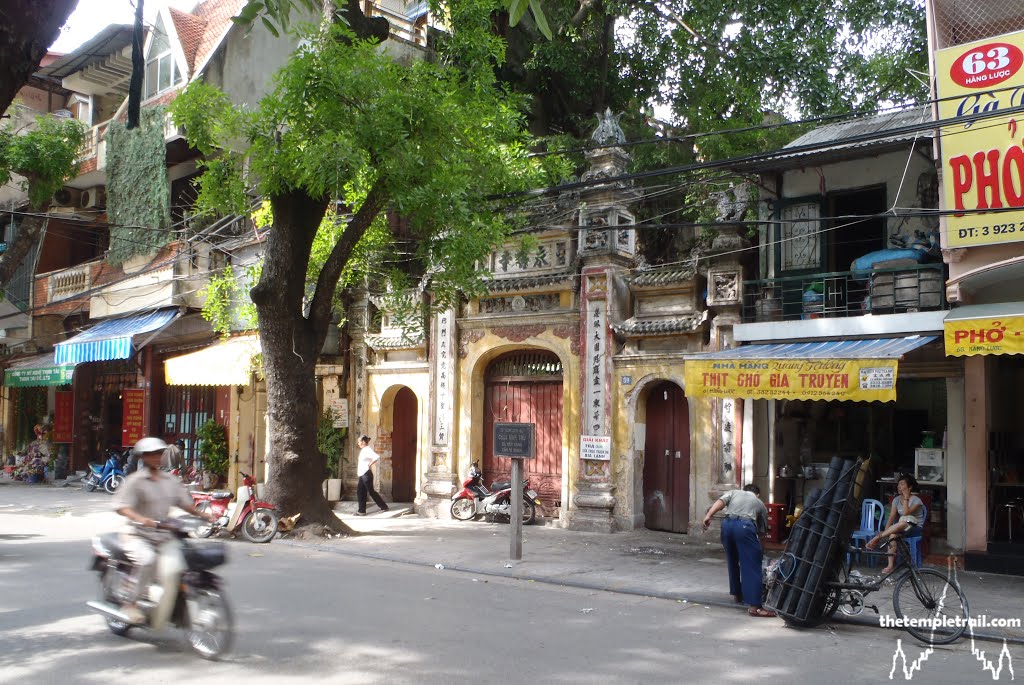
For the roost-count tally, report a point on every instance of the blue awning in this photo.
(872, 348)
(111, 339)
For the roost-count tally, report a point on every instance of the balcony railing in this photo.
(69, 282)
(914, 288)
(95, 137)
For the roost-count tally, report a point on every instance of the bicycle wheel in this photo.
(933, 605)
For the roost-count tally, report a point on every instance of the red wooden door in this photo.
(403, 447)
(526, 387)
(667, 460)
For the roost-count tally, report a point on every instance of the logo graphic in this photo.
(909, 668)
(987, 65)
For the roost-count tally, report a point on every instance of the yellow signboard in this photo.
(991, 335)
(864, 380)
(983, 159)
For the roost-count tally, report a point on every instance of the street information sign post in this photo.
(516, 441)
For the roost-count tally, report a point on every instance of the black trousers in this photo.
(365, 486)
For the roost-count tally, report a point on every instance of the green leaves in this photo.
(138, 194)
(45, 156)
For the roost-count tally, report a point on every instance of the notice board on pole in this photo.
(515, 440)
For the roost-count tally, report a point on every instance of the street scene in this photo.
(375, 608)
(511, 340)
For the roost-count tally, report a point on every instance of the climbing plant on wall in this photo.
(138, 194)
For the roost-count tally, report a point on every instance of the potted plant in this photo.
(331, 443)
(213, 451)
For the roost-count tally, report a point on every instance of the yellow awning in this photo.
(859, 370)
(224, 363)
(985, 329)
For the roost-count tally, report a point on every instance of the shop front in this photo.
(38, 411)
(217, 382)
(111, 382)
(882, 399)
(990, 338)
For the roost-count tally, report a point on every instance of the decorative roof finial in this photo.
(608, 131)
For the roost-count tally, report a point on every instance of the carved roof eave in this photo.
(378, 343)
(662, 326)
(516, 284)
(659, 278)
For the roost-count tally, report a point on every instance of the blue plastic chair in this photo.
(914, 541)
(872, 513)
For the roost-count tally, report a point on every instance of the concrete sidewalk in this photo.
(650, 563)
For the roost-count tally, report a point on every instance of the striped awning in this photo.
(37, 371)
(111, 339)
(225, 363)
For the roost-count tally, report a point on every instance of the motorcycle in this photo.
(110, 475)
(185, 592)
(475, 499)
(257, 519)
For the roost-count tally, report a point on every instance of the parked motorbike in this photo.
(475, 499)
(257, 519)
(185, 592)
(109, 475)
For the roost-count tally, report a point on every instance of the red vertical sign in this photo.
(63, 416)
(133, 419)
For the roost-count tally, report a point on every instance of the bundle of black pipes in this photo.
(813, 552)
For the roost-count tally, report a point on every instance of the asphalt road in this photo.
(304, 615)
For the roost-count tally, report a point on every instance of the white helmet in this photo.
(149, 445)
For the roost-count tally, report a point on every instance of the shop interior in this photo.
(1006, 452)
(905, 436)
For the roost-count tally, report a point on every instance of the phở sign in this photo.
(983, 159)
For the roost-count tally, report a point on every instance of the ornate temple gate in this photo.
(667, 460)
(526, 386)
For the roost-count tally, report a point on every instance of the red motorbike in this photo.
(257, 519)
(475, 499)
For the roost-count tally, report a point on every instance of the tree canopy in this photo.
(351, 132)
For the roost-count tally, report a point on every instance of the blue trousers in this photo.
(743, 558)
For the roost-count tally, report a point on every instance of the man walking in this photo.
(367, 458)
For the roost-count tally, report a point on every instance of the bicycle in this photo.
(942, 601)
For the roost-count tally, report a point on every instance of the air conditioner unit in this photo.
(67, 197)
(93, 197)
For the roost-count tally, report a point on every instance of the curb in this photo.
(622, 590)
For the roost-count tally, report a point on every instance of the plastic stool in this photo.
(914, 544)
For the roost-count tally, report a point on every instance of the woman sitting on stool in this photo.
(904, 519)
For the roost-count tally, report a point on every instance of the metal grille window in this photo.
(964, 21)
(531, 363)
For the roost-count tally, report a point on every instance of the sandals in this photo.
(761, 612)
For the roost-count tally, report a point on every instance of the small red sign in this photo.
(987, 65)
(133, 418)
(63, 416)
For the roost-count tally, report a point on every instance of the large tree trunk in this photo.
(28, 233)
(27, 29)
(290, 348)
(292, 339)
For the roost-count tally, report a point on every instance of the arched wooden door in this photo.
(526, 386)
(403, 447)
(667, 460)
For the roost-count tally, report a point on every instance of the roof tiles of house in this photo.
(190, 29)
(216, 14)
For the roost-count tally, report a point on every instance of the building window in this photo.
(162, 72)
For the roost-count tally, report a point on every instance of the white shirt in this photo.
(366, 459)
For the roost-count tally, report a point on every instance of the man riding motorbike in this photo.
(146, 497)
